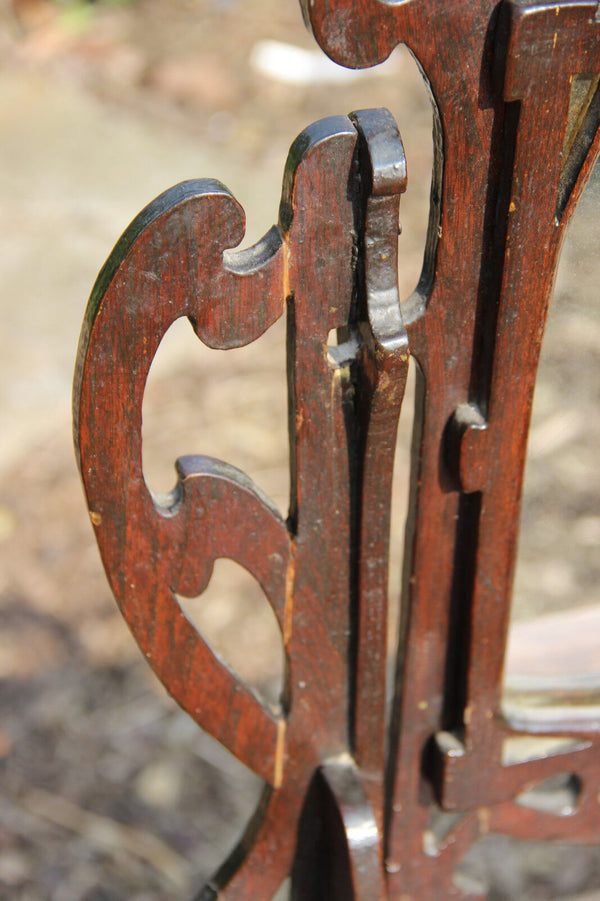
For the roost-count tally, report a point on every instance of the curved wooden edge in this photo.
(141, 290)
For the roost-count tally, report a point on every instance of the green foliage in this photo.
(76, 15)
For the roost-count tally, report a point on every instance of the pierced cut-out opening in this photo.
(238, 622)
(420, 207)
(439, 828)
(342, 346)
(332, 338)
(583, 88)
(399, 513)
(284, 891)
(521, 748)
(582, 125)
(553, 656)
(231, 405)
(558, 795)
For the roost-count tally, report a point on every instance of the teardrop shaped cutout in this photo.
(235, 618)
(558, 795)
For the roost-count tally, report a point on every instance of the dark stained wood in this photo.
(380, 390)
(508, 174)
(176, 260)
(353, 808)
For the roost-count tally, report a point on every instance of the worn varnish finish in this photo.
(512, 160)
(349, 810)
(175, 260)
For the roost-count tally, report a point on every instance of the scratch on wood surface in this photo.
(288, 610)
(336, 386)
(483, 817)
(279, 753)
(286, 266)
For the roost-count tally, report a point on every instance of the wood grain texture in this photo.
(352, 807)
(177, 259)
(506, 180)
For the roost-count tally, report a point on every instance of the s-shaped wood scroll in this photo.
(331, 263)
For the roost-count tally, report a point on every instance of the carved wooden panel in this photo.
(512, 161)
(352, 808)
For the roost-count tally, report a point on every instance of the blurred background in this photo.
(108, 791)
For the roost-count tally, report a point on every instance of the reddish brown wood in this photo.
(174, 260)
(500, 79)
(352, 809)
